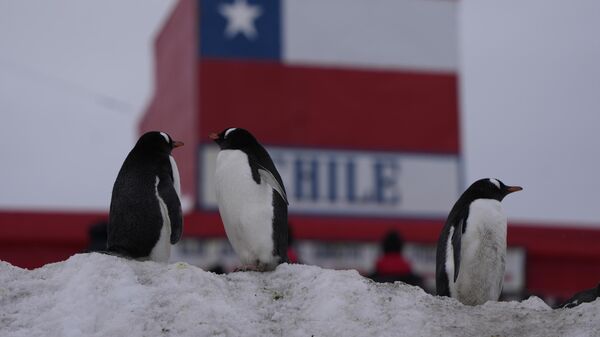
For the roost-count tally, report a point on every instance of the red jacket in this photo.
(392, 264)
(292, 256)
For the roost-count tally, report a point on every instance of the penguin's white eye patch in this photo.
(166, 137)
(495, 182)
(229, 131)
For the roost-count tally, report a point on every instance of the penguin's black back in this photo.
(459, 212)
(258, 157)
(135, 219)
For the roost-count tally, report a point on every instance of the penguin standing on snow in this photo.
(585, 296)
(471, 249)
(252, 200)
(145, 210)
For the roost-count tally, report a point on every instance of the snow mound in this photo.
(101, 295)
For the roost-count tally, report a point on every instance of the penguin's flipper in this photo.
(271, 181)
(456, 237)
(262, 167)
(167, 192)
(259, 172)
(280, 234)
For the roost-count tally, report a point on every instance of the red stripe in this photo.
(342, 108)
(70, 228)
(560, 260)
(30, 240)
(47, 226)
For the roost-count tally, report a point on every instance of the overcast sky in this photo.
(76, 75)
(530, 90)
(74, 78)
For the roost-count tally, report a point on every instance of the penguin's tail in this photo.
(115, 252)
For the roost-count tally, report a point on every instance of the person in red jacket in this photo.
(392, 266)
(291, 250)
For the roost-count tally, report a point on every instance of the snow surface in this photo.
(101, 295)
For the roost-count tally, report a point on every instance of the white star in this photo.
(240, 18)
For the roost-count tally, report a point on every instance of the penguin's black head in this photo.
(490, 188)
(233, 139)
(157, 141)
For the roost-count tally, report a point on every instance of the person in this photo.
(391, 266)
(291, 250)
(97, 234)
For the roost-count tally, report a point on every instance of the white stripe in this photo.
(176, 179)
(416, 185)
(412, 34)
(495, 182)
(229, 131)
(166, 137)
(162, 249)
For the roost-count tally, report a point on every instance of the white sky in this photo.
(531, 104)
(74, 78)
(76, 75)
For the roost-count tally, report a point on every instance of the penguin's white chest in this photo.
(161, 251)
(246, 208)
(482, 256)
(176, 179)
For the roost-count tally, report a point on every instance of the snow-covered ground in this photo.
(100, 295)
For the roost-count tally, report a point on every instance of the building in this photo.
(366, 139)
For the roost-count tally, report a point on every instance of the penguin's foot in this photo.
(259, 267)
(248, 267)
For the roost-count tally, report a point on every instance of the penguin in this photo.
(252, 200)
(145, 216)
(585, 296)
(471, 249)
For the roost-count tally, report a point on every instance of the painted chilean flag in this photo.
(355, 100)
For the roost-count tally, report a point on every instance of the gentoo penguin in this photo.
(252, 200)
(145, 210)
(471, 249)
(585, 296)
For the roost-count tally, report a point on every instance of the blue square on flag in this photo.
(246, 29)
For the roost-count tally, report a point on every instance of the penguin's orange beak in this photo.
(177, 144)
(511, 189)
(213, 136)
